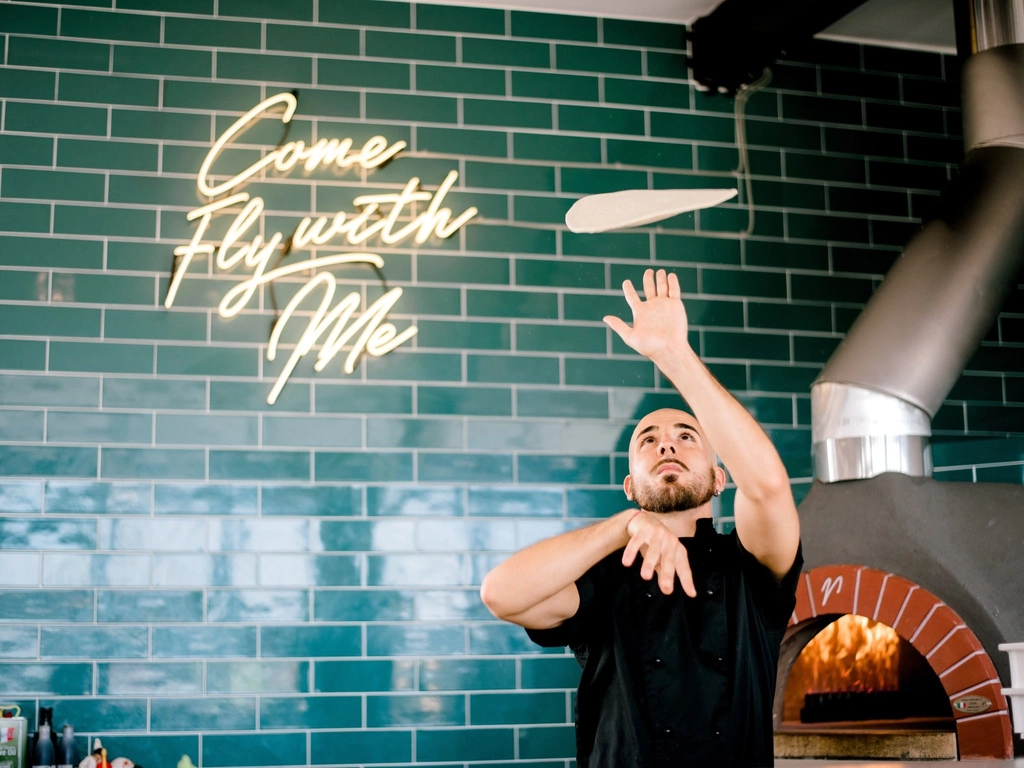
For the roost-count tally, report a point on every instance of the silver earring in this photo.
(718, 492)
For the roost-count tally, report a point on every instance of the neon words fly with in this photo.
(331, 325)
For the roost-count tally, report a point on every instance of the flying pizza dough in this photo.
(635, 207)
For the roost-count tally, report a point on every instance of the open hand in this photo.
(659, 323)
(661, 551)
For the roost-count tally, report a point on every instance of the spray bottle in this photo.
(13, 737)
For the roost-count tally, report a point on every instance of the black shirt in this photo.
(673, 680)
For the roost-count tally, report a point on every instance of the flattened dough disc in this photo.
(634, 207)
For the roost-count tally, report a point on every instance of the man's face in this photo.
(671, 464)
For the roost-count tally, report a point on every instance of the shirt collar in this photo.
(705, 527)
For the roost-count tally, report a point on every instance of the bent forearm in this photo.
(743, 446)
(540, 571)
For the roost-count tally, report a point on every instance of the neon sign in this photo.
(331, 326)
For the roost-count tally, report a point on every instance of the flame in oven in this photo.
(852, 653)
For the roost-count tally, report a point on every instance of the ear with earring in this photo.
(717, 492)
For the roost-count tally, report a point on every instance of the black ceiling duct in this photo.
(731, 46)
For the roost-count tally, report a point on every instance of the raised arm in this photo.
(766, 518)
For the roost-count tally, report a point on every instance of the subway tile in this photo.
(267, 9)
(27, 84)
(46, 679)
(21, 426)
(58, 54)
(517, 708)
(310, 712)
(517, 53)
(93, 643)
(252, 396)
(205, 499)
(153, 464)
(857, 142)
(363, 605)
(551, 742)
(415, 640)
(209, 32)
(439, 744)
(90, 357)
(511, 369)
(149, 60)
(363, 74)
(612, 373)
(362, 466)
(255, 749)
(203, 641)
(415, 366)
(150, 534)
(26, 20)
(71, 427)
(47, 605)
(271, 68)
(204, 570)
(542, 85)
(458, 141)
(257, 605)
(540, 146)
(187, 94)
(109, 89)
(414, 570)
(391, 745)
(49, 534)
(21, 496)
(486, 21)
(19, 569)
(461, 79)
(80, 570)
(533, 337)
(563, 403)
(241, 535)
(428, 501)
(925, 64)
(410, 46)
(508, 176)
(310, 641)
(455, 467)
(515, 502)
(291, 37)
(415, 710)
(310, 570)
(561, 672)
(101, 714)
(160, 678)
(467, 674)
(142, 393)
(44, 461)
(149, 606)
(203, 714)
(257, 677)
(206, 361)
(43, 118)
(24, 217)
(598, 59)
(559, 26)
(104, 25)
(463, 335)
(586, 470)
(285, 500)
(504, 113)
(50, 321)
(468, 401)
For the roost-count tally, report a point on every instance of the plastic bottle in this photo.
(66, 748)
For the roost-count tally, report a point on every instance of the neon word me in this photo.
(331, 327)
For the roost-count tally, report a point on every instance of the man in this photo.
(671, 677)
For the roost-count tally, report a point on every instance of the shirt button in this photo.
(648, 594)
(720, 659)
(668, 731)
(658, 662)
(718, 733)
(711, 592)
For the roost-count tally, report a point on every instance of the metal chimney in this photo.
(872, 405)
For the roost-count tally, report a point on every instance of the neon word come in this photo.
(332, 327)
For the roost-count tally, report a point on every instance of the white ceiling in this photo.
(921, 24)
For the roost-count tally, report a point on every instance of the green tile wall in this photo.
(178, 558)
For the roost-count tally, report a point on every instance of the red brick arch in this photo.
(933, 628)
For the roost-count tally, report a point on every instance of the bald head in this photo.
(667, 421)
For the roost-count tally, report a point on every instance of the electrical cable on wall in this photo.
(744, 93)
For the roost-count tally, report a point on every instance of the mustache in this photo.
(669, 461)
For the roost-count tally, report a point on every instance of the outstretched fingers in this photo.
(650, 291)
(674, 291)
(632, 297)
(661, 282)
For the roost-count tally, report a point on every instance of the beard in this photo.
(671, 495)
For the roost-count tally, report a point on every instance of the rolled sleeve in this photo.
(573, 631)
